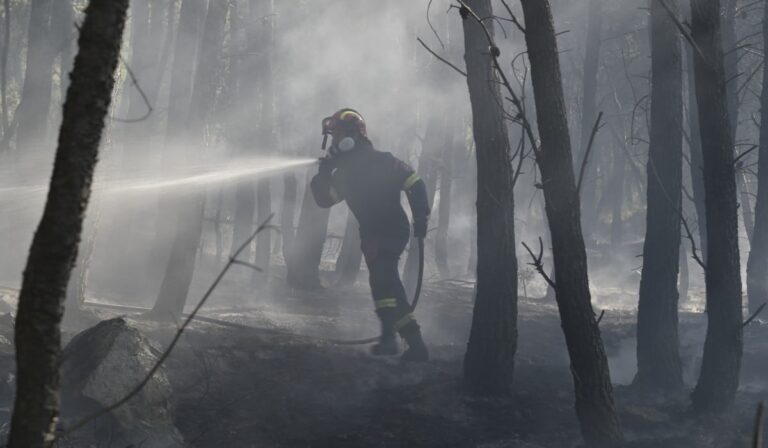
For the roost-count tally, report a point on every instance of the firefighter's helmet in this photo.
(345, 119)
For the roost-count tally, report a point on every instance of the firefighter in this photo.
(370, 181)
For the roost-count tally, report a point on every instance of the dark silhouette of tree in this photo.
(757, 263)
(658, 358)
(594, 393)
(54, 247)
(721, 363)
(181, 264)
(304, 263)
(490, 358)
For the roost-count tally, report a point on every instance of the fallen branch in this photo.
(754, 315)
(537, 264)
(103, 411)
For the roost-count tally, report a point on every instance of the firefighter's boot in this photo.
(417, 350)
(387, 345)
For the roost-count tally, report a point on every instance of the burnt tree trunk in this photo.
(658, 356)
(54, 247)
(594, 393)
(490, 358)
(350, 256)
(721, 363)
(757, 263)
(589, 114)
(32, 113)
(181, 264)
(304, 262)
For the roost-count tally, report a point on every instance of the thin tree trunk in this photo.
(684, 283)
(589, 113)
(617, 197)
(63, 26)
(38, 78)
(721, 362)
(595, 407)
(288, 214)
(181, 264)
(263, 12)
(696, 156)
(658, 357)
(350, 256)
(757, 263)
(54, 247)
(4, 65)
(444, 208)
(191, 15)
(490, 358)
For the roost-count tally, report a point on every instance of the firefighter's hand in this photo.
(326, 165)
(420, 228)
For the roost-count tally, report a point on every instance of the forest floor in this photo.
(272, 380)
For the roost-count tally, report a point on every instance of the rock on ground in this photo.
(100, 366)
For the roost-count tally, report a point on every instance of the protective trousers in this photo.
(382, 255)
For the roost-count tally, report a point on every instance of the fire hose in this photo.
(413, 303)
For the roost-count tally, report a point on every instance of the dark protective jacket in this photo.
(371, 181)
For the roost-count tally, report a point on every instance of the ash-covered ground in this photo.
(270, 378)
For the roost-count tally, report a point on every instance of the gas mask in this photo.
(346, 144)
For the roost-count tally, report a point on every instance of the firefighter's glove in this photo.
(327, 165)
(420, 228)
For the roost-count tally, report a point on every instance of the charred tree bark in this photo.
(589, 113)
(658, 358)
(32, 113)
(350, 256)
(54, 247)
(721, 363)
(490, 358)
(181, 264)
(304, 262)
(594, 393)
(757, 263)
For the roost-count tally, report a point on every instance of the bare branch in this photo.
(103, 411)
(512, 17)
(754, 315)
(135, 83)
(440, 58)
(584, 162)
(537, 264)
(429, 22)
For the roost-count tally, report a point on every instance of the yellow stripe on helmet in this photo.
(347, 113)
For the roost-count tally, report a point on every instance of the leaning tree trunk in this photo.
(54, 247)
(594, 393)
(181, 264)
(32, 113)
(721, 363)
(757, 263)
(658, 357)
(589, 113)
(490, 358)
